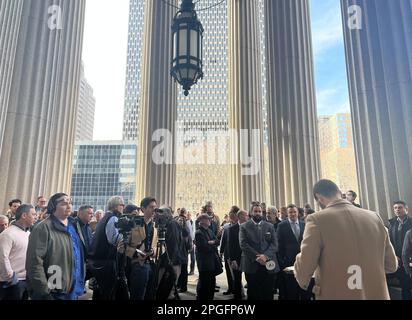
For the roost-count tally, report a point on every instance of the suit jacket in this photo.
(338, 239)
(407, 253)
(252, 242)
(393, 227)
(206, 254)
(233, 246)
(224, 241)
(289, 246)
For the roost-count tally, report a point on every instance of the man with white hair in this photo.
(4, 223)
(103, 252)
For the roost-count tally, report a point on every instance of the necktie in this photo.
(295, 231)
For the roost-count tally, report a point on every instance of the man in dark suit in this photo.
(290, 236)
(224, 251)
(235, 253)
(207, 259)
(259, 246)
(398, 228)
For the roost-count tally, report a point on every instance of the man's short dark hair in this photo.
(14, 201)
(84, 208)
(24, 208)
(291, 206)
(130, 208)
(146, 202)
(326, 188)
(354, 195)
(400, 202)
(234, 210)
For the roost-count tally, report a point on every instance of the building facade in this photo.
(86, 110)
(133, 70)
(101, 170)
(337, 152)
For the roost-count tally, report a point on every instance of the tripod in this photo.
(161, 249)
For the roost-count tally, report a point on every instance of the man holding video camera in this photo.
(141, 249)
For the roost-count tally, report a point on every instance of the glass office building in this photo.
(101, 170)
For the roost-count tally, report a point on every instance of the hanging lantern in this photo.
(187, 55)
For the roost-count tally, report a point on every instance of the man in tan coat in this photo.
(347, 248)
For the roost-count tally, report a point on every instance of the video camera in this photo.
(127, 222)
(161, 220)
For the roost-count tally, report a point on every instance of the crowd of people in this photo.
(147, 252)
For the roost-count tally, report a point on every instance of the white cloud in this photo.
(327, 29)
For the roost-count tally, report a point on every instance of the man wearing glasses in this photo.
(55, 258)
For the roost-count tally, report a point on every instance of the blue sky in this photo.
(329, 54)
(105, 47)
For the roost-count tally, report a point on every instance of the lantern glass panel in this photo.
(193, 43)
(182, 42)
(174, 45)
(192, 73)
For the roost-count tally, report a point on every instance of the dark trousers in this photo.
(105, 272)
(292, 290)
(229, 277)
(405, 283)
(17, 292)
(206, 286)
(192, 260)
(260, 285)
(237, 284)
(182, 282)
(138, 281)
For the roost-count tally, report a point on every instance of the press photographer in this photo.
(171, 252)
(107, 242)
(141, 250)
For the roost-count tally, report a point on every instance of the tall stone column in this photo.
(378, 42)
(292, 119)
(40, 47)
(245, 103)
(156, 172)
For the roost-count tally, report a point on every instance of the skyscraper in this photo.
(134, 56)
(206, 110)
(337, 153)
(85, 112)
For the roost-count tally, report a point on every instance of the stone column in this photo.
(245, 103)
(378, 42)
(292, 119)
(41, 48)
(158, 107)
